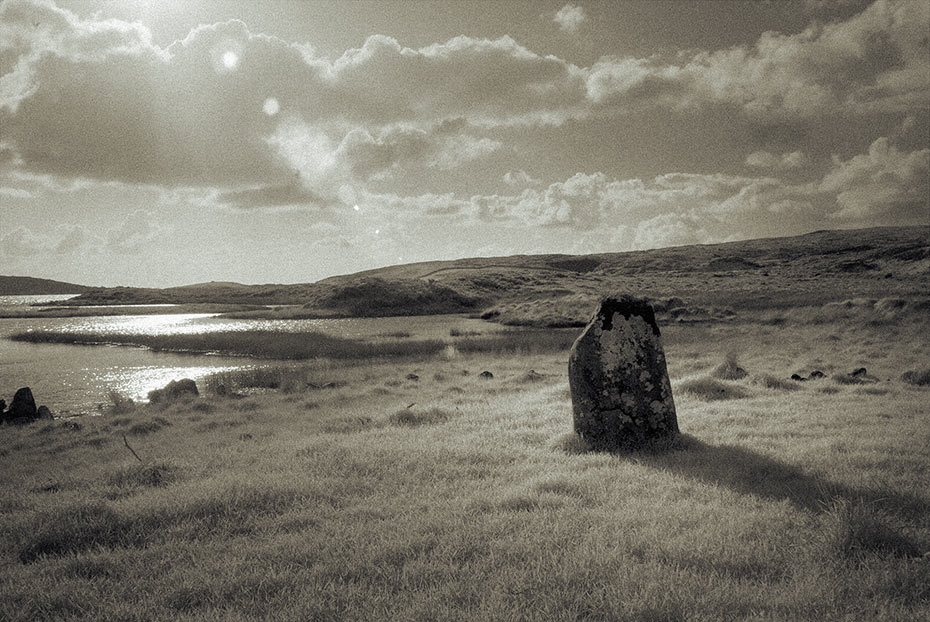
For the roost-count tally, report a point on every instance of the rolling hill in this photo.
(751, 275)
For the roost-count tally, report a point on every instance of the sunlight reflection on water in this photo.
(137, 381)
(178, 324)
(199, 323)
(78, 378)
(426, 327)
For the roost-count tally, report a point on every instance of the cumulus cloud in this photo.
(884, 186)
(876, 61)
(16, 193)
(569, 17)
(587, 202)
(670, 230)
(520, 178)
(786, 161)
(138, 230)
(883, 183)
(60, 240)
(393, 147)
(195, 113)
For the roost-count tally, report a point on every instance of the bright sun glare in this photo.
(271, 106)
(230, 59)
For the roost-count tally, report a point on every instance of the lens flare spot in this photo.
(271, 106)
(230, 59)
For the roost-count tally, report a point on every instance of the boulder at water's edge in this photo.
(23, 405)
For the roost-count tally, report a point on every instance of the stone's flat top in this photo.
(627, 306)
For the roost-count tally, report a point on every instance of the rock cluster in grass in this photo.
(621, 395)
(857, 376)
(23, 408)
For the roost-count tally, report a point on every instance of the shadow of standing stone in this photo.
(621, 395)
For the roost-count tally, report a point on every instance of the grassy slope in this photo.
(747, 276)
(800, 501)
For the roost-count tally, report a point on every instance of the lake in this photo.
(75, 379)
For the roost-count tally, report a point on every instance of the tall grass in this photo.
(453, 498)
(527, 341)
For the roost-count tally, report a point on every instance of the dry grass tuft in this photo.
(144, 476)
(148, 426)
(571, 443)
(729, 369)
(347, 425)
(120, 404)
(920, 378)
(852, 379)
(710, 389)
(773, 382)
(528, 341)
(853, 529)
(70, 529)
(410, 417)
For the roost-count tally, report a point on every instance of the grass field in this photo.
(417, 490)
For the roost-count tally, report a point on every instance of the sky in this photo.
(168, 142)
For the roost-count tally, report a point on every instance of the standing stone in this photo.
(621, 396)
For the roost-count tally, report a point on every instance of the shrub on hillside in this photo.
(376, 297)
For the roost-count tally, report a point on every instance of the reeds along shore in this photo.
(305, 345)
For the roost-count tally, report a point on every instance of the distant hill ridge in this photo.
(30, 286)
(809, 269)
